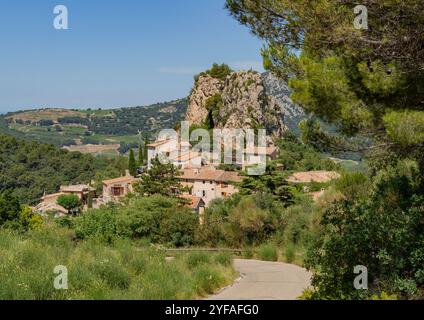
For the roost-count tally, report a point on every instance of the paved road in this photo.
(263, 280)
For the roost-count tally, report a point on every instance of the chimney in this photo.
(127, 173)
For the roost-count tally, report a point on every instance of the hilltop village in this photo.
(202, 179)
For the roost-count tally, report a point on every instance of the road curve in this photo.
(264, 280)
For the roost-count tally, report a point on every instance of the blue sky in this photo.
(115, 53)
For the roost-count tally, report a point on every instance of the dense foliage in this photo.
(161, 178)
(218, 71)
(378, 225)
(29, 169)
(371, 83)
(70, 202)
(157, 218)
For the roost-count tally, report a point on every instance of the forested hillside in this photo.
(64, 127)
(28, 169)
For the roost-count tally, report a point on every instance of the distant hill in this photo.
(65, 127)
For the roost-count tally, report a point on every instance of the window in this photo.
(117, 191)
(204, 181)
(204, 193)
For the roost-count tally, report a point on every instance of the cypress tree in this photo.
(132, 166)
(140, 155)
(146, 142)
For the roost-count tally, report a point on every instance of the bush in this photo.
(383, 231)
(224, 259)
(353, 185)
(248, 253)
(207, 280)
(100, 223)
(196, 258)
(268, 252)
(290, 253)
(113, 273)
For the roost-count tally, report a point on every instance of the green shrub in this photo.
(268, 252)
(290, 253)
(224, 259)
(207, 280)
(248, 253)
(100, 223)
(194, 259)
(353, 185)
(113, 273)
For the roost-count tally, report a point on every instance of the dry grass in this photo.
(93, 148)
(47, 114)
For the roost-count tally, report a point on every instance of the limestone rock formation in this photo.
(205, 87)
(239, 101)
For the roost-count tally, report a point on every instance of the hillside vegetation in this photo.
(371, 83)
(28, 169)
(63, 127)
(99, 271)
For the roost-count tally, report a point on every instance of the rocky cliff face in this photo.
(205, 88)
(280, 91)
(240, 101)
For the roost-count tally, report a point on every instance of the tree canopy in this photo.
(371, 81)
(161, 179)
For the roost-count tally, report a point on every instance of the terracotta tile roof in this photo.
(261, 150)
(42, 207)
(76, 188)
(210, 175)
(53, 195)
(125, 179)
(310, 176)
(187, 156)
(158, 143)
(195, 202)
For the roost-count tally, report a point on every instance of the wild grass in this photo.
(268, 252)
(99, 271)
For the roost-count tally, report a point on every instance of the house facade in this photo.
(209, 183)
(49, 201)
(115, 189)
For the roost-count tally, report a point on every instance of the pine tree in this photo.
(369, 81)
(140, 155)
(146, 142)
(160, 179)
(90, 201)
(132, 166)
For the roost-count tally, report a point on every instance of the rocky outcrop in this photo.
(243, 103)
(205, 87)
(281, 92)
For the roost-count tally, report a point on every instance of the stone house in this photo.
(114, 189)
(209, 183)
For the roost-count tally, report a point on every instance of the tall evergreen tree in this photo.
(145, 156)
(160, 179)
(140, 155)
(132, 165)
(369, 81)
